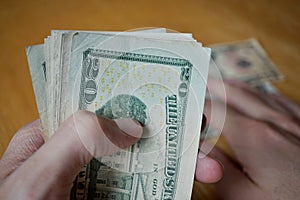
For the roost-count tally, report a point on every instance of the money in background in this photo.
(245, 61)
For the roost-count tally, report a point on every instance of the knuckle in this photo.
(82, 114)
(81, 118)
(85, 124)
(30, 128)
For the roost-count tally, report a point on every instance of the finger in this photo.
(252, 106)
(215, 112)
(207, 169)
(264, 97)
(291, 106)
(234, 184)
(24, 143)
(242, 85)
(78, 139)
(240, 99)
(243, 134)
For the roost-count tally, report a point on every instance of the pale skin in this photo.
(264, 138)
(33, 169)
(264, 134)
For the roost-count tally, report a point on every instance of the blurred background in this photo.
(275, 23)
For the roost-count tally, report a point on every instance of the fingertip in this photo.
(33, 127)
(103, 136)
(208, 170)
(130, 127)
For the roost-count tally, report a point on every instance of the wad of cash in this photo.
(152, 76)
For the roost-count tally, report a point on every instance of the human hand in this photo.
(32, 169)
(264, 135)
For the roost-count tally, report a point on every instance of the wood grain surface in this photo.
(275, 23)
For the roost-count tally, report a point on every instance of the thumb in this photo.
(80, 137)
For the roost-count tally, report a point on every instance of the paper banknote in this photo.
(246, 61)
(156, 78)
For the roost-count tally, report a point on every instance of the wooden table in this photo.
(275, 23)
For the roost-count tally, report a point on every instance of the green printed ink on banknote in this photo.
(148, 169)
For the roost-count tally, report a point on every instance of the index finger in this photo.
(252, 106)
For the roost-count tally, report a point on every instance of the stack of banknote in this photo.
(152, 76)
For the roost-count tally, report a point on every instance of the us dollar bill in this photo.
(37, 66)
(246, 61)
(156, 78)
(145, 170)
(153, 85)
